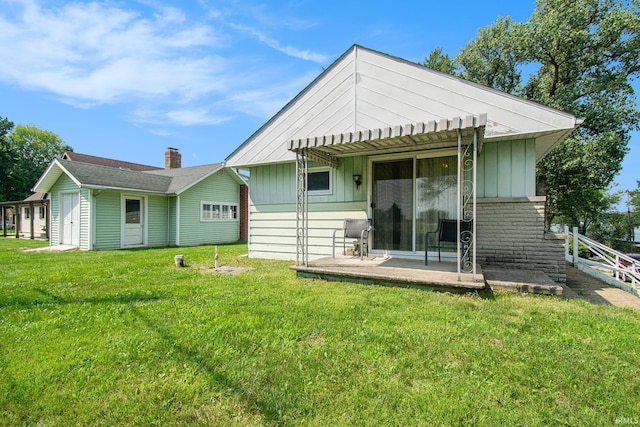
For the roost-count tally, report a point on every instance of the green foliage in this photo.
(491, 58)
(585, 54)
(125, 338)
(440, 62)
(5, 156)
(27, 151)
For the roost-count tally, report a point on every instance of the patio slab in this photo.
(392, 271)
(57, 248)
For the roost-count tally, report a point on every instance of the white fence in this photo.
(603, 262)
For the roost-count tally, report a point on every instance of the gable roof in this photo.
(184, 178)
(364, 90)
(103, 161)
(163, 181)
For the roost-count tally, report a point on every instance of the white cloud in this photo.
(267, 101)
(161, 64)
(95, 53)
(305, 54)
(179, 117)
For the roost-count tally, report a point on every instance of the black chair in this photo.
(447, 236)
(353, 228)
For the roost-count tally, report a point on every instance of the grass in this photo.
(125, 338)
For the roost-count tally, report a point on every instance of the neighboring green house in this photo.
(98, 207)
(378, 137)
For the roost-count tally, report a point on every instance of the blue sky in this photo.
(126, 79)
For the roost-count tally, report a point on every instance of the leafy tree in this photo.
(492, 57)
(585, 54)
(588, 51)
(5, 157)
(28, 151)
(440, 62)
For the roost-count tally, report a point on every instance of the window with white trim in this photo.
(212, 211)
(320, 181)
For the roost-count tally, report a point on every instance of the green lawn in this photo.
(125, 338)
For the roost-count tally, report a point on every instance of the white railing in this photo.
(608, 262)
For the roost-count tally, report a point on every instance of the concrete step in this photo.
(526, 281)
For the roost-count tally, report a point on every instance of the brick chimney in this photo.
(172, 158)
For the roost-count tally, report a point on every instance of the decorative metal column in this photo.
(302, 209)
(468, 213)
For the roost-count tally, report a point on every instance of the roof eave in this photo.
(43, 186)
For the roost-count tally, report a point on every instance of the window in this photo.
(211, 211)
(43, 212)
(132, 215)
(27, 213)
(319, 181)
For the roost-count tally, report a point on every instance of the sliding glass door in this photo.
(408, 198)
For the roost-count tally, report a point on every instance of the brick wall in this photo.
(244, 213)
(510, 234)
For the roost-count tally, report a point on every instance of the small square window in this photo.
(319, 181)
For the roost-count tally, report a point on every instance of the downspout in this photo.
(177, 220)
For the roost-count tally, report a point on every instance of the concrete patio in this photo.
(393, 272)
(436, 276)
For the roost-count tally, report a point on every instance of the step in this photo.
(525, 281)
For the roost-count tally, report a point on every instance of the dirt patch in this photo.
(228, 270)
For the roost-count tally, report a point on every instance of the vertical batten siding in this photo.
(507, 169)
(273, 221)
(219, 188)
(108, 220)
(157, 220)
(64, 185)
(276, 184)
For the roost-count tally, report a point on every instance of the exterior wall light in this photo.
(357, 180)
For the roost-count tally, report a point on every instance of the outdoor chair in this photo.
(447, 236)
(353, 229)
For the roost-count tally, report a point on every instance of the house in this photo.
(33, 212)
(94, 206)
(34, 216)
(378, 137)
(26, 218)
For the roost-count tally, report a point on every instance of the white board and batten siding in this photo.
(218, 188)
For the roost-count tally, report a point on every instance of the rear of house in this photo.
(381, 138)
